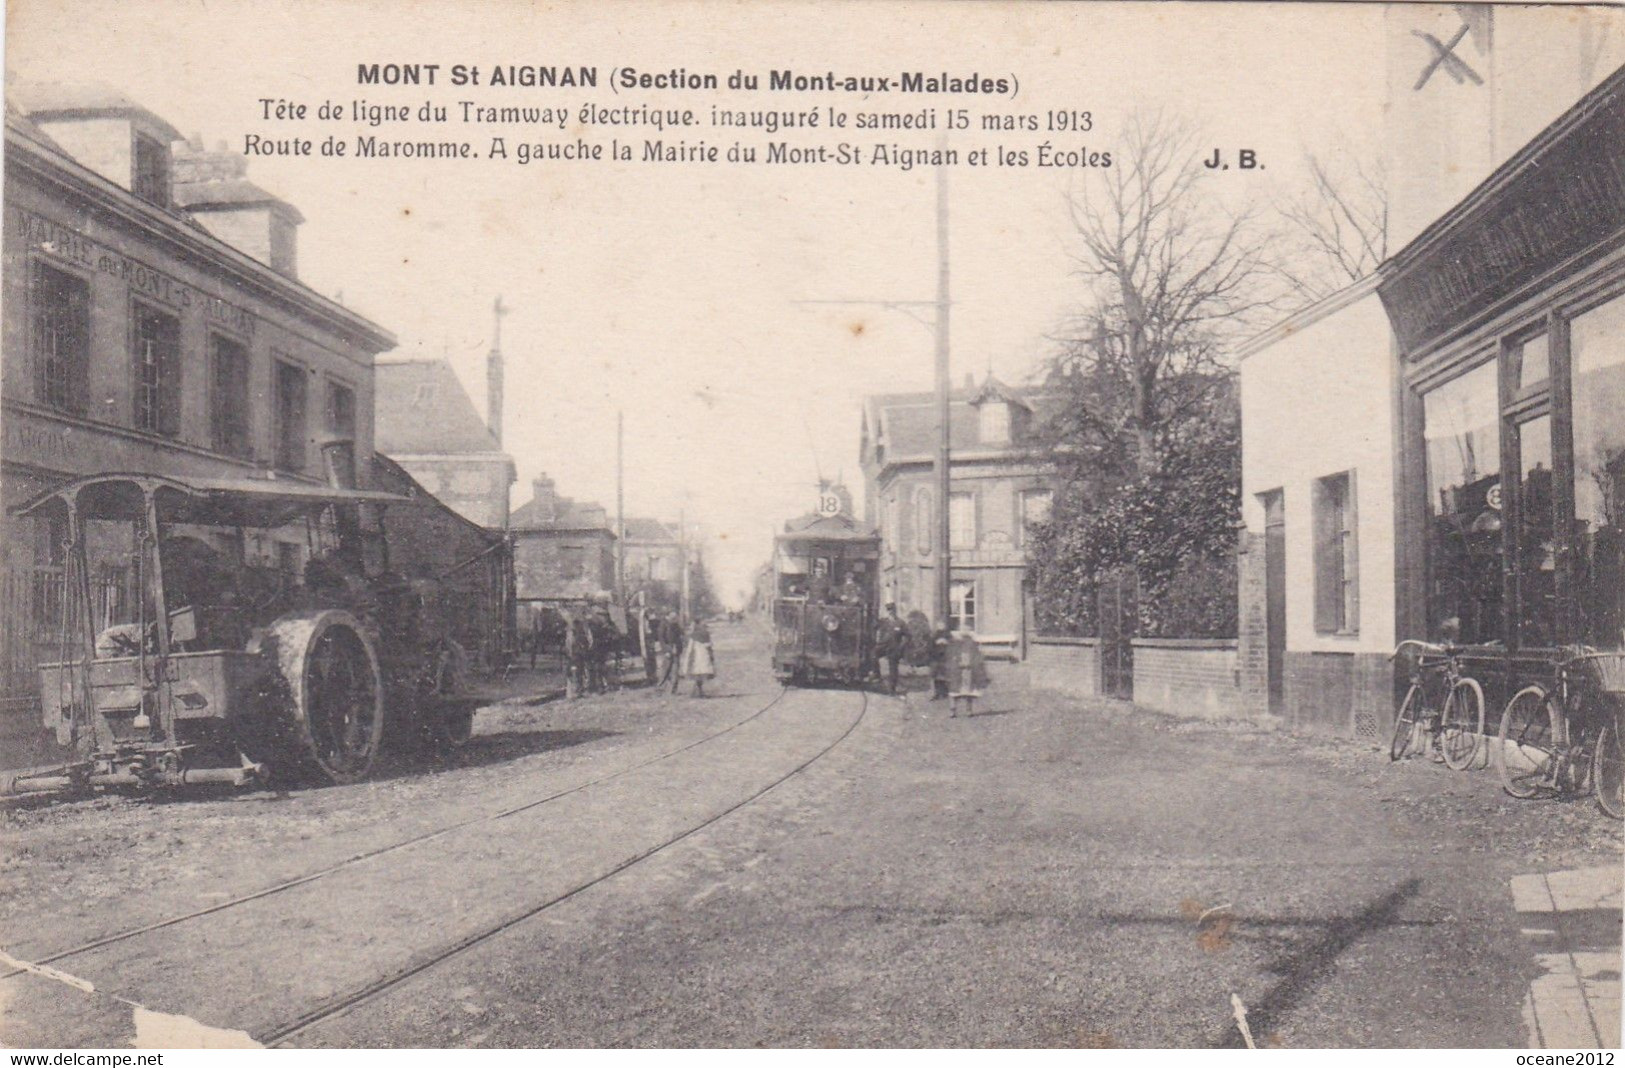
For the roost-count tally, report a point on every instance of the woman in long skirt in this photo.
(967, 672)
(698, 662)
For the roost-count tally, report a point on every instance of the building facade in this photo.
(1437, 453)
(998, 486)
(427, 423)
(564, 550)
(136, 339)
(1317, 608)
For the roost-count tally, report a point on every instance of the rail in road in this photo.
(209, 939)
(373, 854)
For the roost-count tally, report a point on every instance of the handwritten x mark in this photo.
(1444, 55)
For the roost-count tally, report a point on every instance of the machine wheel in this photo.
(451, 724)
(331, 695)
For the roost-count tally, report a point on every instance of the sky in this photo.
(678, 294)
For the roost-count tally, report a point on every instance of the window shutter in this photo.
(1351, 556)
(1328, 576)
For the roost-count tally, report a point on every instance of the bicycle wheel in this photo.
(1608, 769)
(1405, 721)
(1462, 730)
(1526, 749)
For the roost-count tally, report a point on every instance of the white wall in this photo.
(1314, 402)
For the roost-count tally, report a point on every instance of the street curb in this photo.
(1572, 920)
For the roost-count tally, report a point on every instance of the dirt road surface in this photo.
(801, 868)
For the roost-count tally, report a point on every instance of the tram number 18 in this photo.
(829, 504)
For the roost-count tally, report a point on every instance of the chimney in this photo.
(546, 497)
(213, 186)
(493, 373)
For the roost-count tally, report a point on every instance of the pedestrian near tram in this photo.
(967, 672)
(698, 662)
(891, 640)
(941, 639)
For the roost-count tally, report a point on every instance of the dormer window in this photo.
(993, 422)
(149, 177)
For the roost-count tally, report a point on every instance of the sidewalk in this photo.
(1572, 920)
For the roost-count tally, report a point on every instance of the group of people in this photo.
(958, 669)
(687, 655)
(593, 645)
(594, 639)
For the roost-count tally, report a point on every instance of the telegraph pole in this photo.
(939, 327)
(620, 506)
(944, 480)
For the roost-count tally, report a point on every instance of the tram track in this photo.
(343, 1004)
(381, 851)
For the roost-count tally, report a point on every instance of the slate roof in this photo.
(906, 423)
(641, 528)
(45, 100)
(570, 515)
(235, 192)
(423, 409)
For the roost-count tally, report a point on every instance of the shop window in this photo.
(1534, 362)
(1461, 432)
(1597, 348)
(150, 178)
(61, 339)
(228, 396)
(1337, 568)
(962, 606)
(157, 359)
(1536, 548)
(291, 430)
(962, 521)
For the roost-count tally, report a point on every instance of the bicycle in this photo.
(1454, 727)
(1555, 737)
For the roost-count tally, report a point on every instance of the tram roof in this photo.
(826, 528)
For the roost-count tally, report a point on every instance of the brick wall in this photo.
(1347, 694)
(1252, 643)
(1187, 677)
(1070, 665)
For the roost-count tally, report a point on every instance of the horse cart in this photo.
(255, 631)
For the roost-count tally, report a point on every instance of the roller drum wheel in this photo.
(330, 695)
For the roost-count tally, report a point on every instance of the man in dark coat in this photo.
(941, 639)
(671, 636)
(891, 642)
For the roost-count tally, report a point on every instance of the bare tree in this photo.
(1336, 231)
(1172, 274)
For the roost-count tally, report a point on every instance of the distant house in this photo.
(652, 556)
(564, 550)
(997, 487)
(426, 422)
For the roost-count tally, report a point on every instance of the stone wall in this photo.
(1187, 676)
(1070, 665)
(1347, 694)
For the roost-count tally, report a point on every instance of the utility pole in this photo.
(944, 480)
(620, 506)
(940, 328)
(682, 583)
